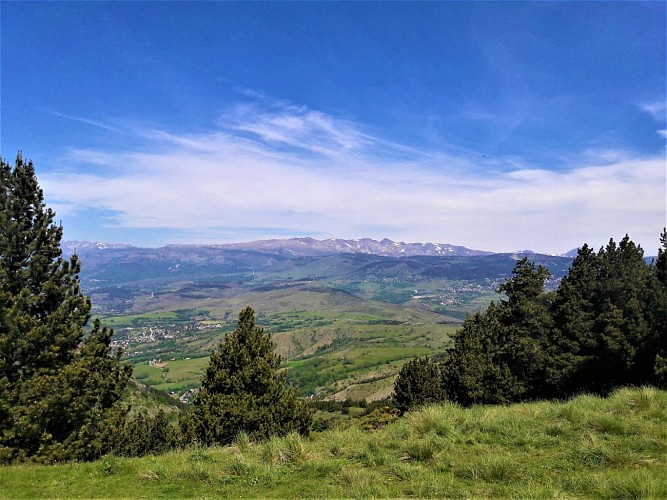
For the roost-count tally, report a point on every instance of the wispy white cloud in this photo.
(251, 178)
(298, 127)
(87, 121)
(657, 109)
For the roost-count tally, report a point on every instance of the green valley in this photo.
(343, 323)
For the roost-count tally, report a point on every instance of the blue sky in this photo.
(494, 125)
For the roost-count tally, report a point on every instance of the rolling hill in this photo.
(343, 322)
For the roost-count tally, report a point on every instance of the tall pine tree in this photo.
(242, 390)
(609, 313)
(501, 355)
(58, 386)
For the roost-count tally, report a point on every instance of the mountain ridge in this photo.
(311, 247)
(305, 247)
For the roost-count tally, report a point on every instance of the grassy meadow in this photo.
(588, 447)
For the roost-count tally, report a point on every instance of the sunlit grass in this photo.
(588, 447)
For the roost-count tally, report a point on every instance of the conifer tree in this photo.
(470, 373)
(501, 355)
(58, 387)
(243, 390)
(574, 316)
(609, 313)
(526, 329)
(606, 325)
(660, 314)
(143, 434)
(419, 383)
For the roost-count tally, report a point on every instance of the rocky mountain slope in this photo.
(386, 247)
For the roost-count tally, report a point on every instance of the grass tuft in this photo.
(637, 484)
(403, 471)
(242, 441)
(289, 449)
(151, 475)
(436, 419)
(424, 450)
(491, 469)
(200, 454)
(109, 464)
(609, 424)
(238, 466)
(373, 455)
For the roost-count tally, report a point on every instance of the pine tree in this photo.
(610, 322)
(243, 390)
(526, 329)
(58, 386)
(419, 383)
(470, 372)
(502, 355)
(661, 261)
(141, 434)
(574, 316)
(605, 326)
(656, 360)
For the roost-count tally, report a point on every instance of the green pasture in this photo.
(155, 318)
(588, 447)
(176, 375)
(325, 370)
(353, 338)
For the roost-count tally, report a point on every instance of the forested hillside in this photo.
(603, 327)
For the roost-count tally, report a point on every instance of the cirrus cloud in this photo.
(284, 170)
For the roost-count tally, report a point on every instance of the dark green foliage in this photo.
(58, 387)
(242, 390)
(526, 326)
(472, 373)
(144, 434)
(605, 326)
(419, 383)
(661, 261)
(660, 314)
(610, 314)
(501, 355)
(331, 405)
(574, 313)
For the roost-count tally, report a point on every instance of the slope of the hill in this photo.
(588, 447)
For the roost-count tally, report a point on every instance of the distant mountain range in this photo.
(119, 278)
(310, 247)
(70, 247)
(306, 247)
(105, 264)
